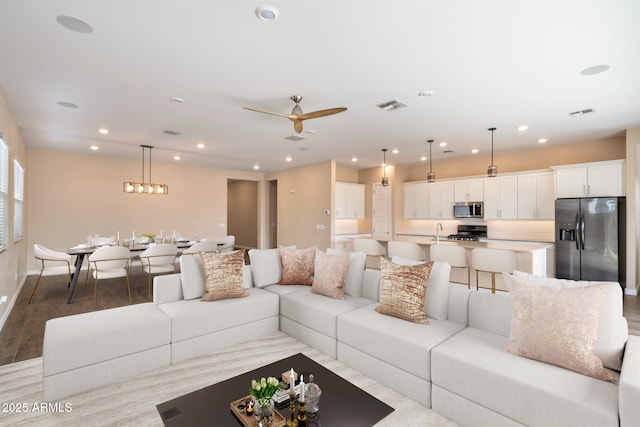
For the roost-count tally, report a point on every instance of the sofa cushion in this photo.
(192, 318)
(266, 266)
(402, 290)
(473, 365)
(223, 275)
(355, 273)
(192, 276)
(557, 326)
(330, 272)
(407, 345)
(613, 331)
(297, 265)
(317, 311)
(437, 297)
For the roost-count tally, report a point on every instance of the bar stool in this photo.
(372, 248)
(493, 261)
(456, 256)
(407, 250)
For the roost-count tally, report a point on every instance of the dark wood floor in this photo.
(23, 334)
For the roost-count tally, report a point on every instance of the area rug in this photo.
(133, 402)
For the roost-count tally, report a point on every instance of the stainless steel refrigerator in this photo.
(591, 239)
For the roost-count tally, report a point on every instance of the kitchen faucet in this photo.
(438, 230)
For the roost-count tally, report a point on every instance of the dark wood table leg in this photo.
(74, 279)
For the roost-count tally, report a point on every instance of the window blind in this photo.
(18, 200)
(4, 193)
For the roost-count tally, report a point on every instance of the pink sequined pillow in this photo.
(557, 326)
(330, 274)
(297, 265)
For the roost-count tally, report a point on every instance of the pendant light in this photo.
(143, 187)
(431, 176)
(385, 180)
(492, 170)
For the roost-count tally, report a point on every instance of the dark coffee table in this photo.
(341, 403)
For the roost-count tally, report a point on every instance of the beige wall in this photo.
(242, 212)
(13, 260)
(304, 194)
(73, 195)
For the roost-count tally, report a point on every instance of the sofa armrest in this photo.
(629, 385)
(167, 288)
(371, 285)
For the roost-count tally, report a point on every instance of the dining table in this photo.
(81, 251)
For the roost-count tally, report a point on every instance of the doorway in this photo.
(242, 212)
(273, 214)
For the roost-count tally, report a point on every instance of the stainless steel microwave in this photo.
(468, 210)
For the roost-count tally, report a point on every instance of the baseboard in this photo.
(12, 303)
(633, 292)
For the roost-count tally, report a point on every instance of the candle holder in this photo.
(292, 422)
(302, 414)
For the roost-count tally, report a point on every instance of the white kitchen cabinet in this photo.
(501, 197)
(599, 179)
(535, 196)
(441, 199)
(416, 200)
(468, 190)
(349, 200)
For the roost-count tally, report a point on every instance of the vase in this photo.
(263, 413)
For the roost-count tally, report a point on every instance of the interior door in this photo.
(382, 210)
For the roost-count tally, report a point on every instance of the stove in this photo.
(470, 233)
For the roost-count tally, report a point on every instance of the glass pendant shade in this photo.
(145, 187)
(492, 170)
(431, 176)
(385, 180)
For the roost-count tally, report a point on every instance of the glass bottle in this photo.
(312, 394)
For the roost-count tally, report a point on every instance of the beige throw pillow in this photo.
(403, 289)
(330, 274)
(557, 326)
(223, 275)
(297, 265)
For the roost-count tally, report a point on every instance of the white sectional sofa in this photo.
(456, 364)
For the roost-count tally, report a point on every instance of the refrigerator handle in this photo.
(578, 231)
(582, 237)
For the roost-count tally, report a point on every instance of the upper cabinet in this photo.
(468, 190)
(416, 200)
(501, 197)
(441, 199)
(349, 200)
(535, 196)
(600, 179)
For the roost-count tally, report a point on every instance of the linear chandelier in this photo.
(145, 187)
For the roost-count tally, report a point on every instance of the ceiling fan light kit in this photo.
(297, 116)
(492, 170)
(431, 176)
(385, 180)
(142, 187)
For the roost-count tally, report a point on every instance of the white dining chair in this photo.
(201, 246)
(406, 250)
(372, 248)
(109, 262)
(226, 244)
(158, 258)
(52, 263)
(493, 261)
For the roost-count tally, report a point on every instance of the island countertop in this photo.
(428, 241)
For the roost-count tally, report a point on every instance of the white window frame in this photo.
(4, 194)
(18, 201)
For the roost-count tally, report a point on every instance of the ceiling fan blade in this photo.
(297, 125)
(288, 116)
(321, 113)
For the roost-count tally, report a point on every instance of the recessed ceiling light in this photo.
(176, 100)
(542, 140)
(354, 159)
(67, 104)
(103, 131)
(443, 144)
(423, 158)
(596, 69)
(288, 159)
(176, 157)
(395, 151)
(267, 13)
(522, 128)
(74, 24)
(201, 145)
(256, 167)
(94, 147)
(475, 151)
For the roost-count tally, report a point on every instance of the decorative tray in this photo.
(249, 420)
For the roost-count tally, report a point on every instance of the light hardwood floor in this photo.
(23, 334)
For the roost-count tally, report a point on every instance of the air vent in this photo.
(447, 151)
(392, 105)
(173, 132)
(582, 112)
(295, 138)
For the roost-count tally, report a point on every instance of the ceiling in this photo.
(487, 63)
